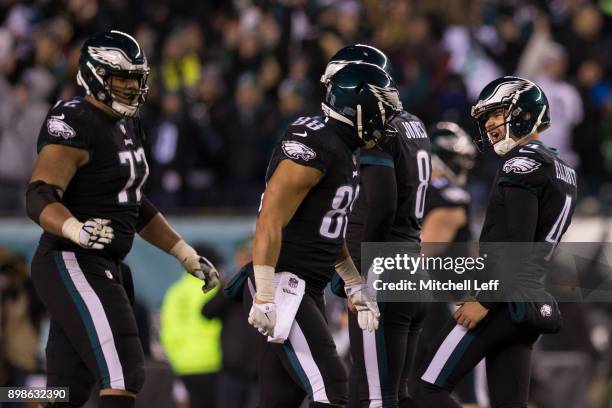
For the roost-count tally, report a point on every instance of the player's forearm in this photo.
(266, 243)
(266, 250)
(436, 238)
(439, 227)
(344, 253)
(53, 217)
(346, 268)
(159, 232)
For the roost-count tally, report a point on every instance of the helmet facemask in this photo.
(125, 100)
(122, 100)
(484, 137)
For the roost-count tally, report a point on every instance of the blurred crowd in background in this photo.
(228, 76)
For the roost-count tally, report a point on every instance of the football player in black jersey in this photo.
(86, 194)
(312, 183)
(395, 174)
(532, 200)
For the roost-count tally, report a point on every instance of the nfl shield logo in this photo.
(293, 283)
(546, 310)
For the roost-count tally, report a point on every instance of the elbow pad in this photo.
(39, 195)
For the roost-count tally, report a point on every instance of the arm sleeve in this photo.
(146, 213)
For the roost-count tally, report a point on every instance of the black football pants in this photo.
(383, 359)
(307, 364)
(93, 337)
(507, 349)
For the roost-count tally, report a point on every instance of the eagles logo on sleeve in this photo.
(521, 165)
(58, 128)
(297, 150)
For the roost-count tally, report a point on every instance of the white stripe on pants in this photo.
(100, 321)
(370, 357)
(307, 361)
(443, 354)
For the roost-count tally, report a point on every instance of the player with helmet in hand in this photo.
(532, 201)
(395, 174)
(312, 184)
(86, 194)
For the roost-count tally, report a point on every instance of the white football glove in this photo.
(263, 317)
(196, 265)
(207, 273)
(95, 233)
(365, 306)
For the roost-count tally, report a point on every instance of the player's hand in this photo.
(95, 233)
(364, 305)
(204, 270)
(470, 314)
(263, 317)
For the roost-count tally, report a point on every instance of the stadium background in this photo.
(228, 76)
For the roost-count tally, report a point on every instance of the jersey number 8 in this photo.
(335, 220)
(423, 163)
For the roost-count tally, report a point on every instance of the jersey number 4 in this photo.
(560, 225)
(335, 220)
(131, 192)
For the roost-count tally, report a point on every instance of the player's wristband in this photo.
(71, 229)
(348, 272)
(264, 281)
(186, 255)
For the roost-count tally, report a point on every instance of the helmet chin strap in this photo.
(359, 122)
(329, 112)
(504, 146)
(122, 108)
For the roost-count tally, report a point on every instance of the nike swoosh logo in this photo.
(301, 134)
(60, 117)
(521, 150)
